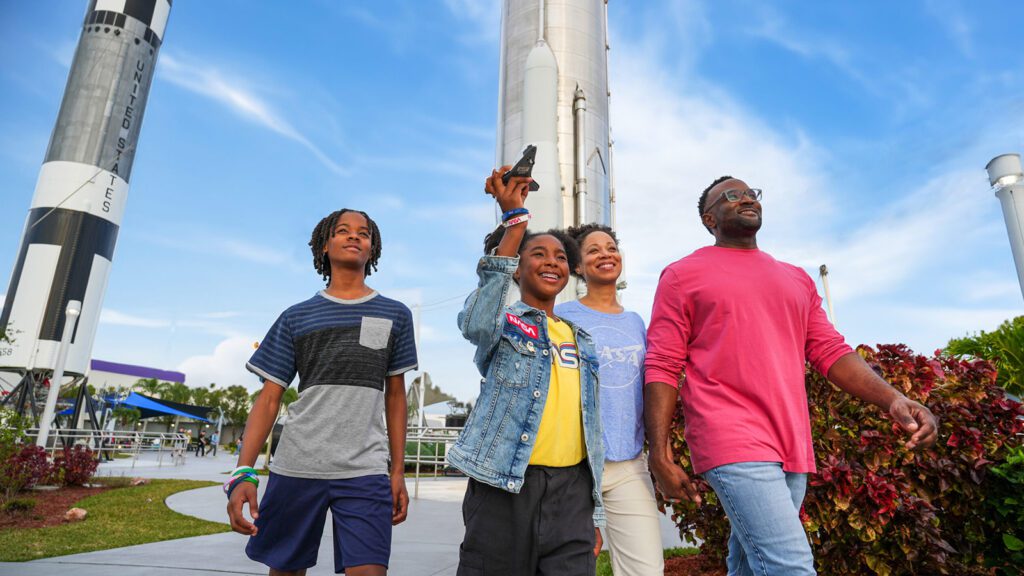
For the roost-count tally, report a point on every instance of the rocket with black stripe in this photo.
(71, 230)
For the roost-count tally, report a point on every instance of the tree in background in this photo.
(125, 416)
(1004, 347)
(237, 404)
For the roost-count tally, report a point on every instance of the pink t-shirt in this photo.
(741, 325)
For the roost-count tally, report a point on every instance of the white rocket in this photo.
(553, 93)
(68, 242)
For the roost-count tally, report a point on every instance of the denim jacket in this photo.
(513, 354)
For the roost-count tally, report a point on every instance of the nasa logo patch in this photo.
(524, 327)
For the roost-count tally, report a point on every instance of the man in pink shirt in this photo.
(741, 325)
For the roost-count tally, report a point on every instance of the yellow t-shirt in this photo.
(560, 436)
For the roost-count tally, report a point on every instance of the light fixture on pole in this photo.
(74, 309)
(1007, 179)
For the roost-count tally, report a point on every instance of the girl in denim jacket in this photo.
(532, 446)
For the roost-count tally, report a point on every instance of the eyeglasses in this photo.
(735, 196)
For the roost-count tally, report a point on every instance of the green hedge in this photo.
(876, 508)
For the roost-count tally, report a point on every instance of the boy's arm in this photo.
(396, 412)
(261, 419)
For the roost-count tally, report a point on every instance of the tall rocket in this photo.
(553, 93)
(68, 242)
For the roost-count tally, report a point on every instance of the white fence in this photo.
(108, 443)
(428, 446)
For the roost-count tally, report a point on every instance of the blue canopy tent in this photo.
(152, 407)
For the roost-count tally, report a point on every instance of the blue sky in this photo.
(868, 125)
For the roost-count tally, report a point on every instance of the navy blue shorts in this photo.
(293, 512)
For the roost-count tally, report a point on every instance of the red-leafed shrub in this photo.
(875, 507)
(24, 468)
(75, 465)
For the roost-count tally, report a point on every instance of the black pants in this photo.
(545, 530)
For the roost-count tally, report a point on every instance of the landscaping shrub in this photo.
(1004, 347)
(876, 508)
(1005, 501)
(23, 469)
(76, 464)
(19, 505)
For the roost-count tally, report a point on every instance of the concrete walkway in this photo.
(427, 544)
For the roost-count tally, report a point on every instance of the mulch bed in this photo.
(690, 566)
(50, 507)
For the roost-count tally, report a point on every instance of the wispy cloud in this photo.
(116, 318)
(903, 87)
(231, 247)
(209, 323)
(236, 96)
(483, 17)
(773, 28)
(949, 15)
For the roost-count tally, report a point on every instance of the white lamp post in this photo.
(1007, 179)
(74, 309)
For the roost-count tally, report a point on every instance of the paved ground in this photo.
(426, 544)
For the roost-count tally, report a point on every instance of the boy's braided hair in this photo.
(322, 234)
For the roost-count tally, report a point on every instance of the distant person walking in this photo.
(350, 348)
(214, 440)
(740, 326)
(632, 532)
(201, 444)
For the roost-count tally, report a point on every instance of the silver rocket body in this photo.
(79, 201)
(553, 93)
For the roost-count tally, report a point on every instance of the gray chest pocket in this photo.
(374, 333)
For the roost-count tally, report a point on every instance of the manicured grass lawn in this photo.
(604, 563)
(120, 517)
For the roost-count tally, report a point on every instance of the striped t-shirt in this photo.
(341, 350)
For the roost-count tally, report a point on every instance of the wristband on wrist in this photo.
(242, 476)
(517, 220)
(508, 214)
(241, 469)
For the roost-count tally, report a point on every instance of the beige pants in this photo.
(632, 532)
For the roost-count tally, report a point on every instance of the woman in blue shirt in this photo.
(632, 529)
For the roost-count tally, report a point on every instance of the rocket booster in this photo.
(71, 229)
(553, 93)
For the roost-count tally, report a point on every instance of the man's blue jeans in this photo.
(763, 505)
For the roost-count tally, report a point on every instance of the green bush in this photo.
(876, 508)
(1005, 550)
(1004, 347)
(19, 505)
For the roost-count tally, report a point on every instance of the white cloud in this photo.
(673, 140)
(232, 93)
(110, 316)
(232, 247)
(225, 366)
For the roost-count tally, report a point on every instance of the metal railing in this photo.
(103, 442)
(431, 449)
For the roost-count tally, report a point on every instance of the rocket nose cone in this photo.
(541, 56)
